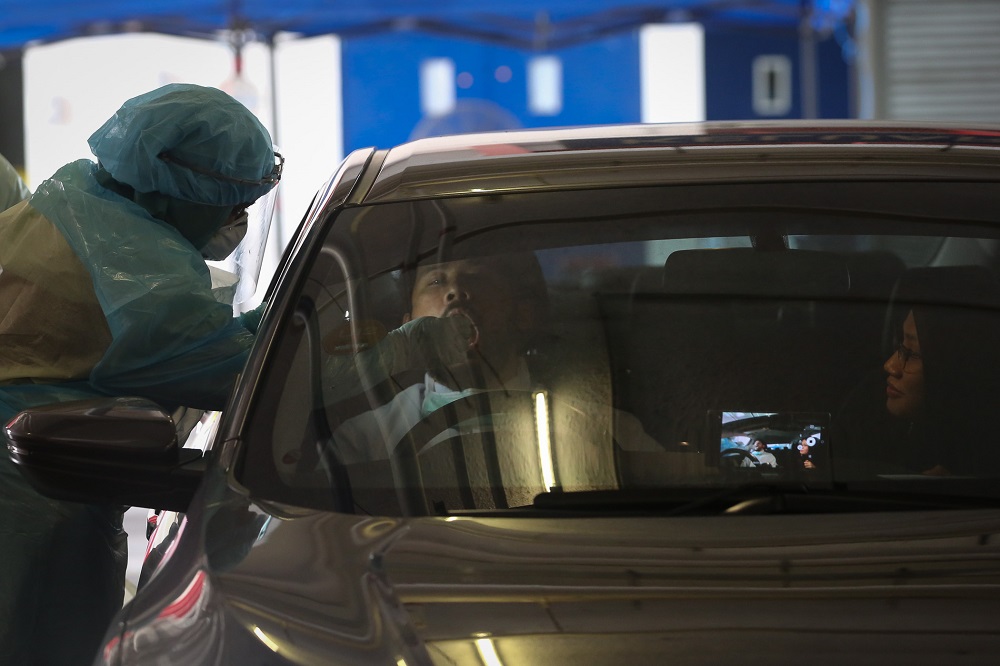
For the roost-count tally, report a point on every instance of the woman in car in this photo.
(941, 384)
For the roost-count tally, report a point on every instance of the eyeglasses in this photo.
(238, 211)
(271, 178)
(905, 354)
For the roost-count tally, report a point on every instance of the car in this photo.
(503, 404)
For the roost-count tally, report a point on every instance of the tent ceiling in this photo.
(538, 24)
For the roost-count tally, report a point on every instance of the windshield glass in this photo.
(509, 352)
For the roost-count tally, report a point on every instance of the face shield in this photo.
(235, 276)
(225, 240)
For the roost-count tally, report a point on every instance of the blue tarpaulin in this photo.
(533, 24)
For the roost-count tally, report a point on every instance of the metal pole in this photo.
(277, 222)
(807, 67)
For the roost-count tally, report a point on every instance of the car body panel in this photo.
(633, 155)
(301, 587)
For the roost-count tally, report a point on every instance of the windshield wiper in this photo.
(752, 499)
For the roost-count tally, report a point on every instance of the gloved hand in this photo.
(251, 319)
(428, 342)
(421, 344)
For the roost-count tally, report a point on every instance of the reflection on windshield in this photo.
(483, 366)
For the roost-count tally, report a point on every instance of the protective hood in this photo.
(190, 142)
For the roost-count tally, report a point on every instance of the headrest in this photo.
(974, 286)
(747, 271)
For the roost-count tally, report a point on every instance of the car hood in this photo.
(327, 588)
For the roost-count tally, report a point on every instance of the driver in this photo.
(763, 454)
(470, 325)
(490, 307)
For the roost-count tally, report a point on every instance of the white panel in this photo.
(72, 87)
(673, 72)
(310, 127)
(545, 85)
(437, 86)
(772, 85)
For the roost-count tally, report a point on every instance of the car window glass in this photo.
(629, 340)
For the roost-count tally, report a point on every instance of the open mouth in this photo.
(459, 312)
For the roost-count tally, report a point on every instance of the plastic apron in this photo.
(171, 341)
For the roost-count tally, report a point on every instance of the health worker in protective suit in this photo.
(12, 187)
(105, 290)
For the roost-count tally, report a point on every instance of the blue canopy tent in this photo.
(531, 25)
(537, 25)
(520, 23)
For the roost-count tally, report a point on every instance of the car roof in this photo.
(646, 154)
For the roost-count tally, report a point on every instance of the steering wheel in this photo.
(479, 408)
(736, 457)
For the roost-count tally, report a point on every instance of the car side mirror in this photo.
(114, 450)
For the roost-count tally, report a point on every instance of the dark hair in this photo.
(528, 281)
(956, 311)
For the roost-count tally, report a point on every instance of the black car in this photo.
(505, 403)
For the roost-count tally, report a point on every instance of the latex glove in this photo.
(426, 343)
(251, 319)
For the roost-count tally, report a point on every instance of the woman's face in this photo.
(905, 369)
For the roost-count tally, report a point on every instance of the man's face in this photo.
(473, 288)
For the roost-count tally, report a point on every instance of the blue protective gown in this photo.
(103, 299)
(96, 298)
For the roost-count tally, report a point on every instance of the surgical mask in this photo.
(435, 400)
(226, 239)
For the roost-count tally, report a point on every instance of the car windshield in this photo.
(654, 348)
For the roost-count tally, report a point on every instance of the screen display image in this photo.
(774, 442)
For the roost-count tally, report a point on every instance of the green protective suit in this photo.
(100, 297)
